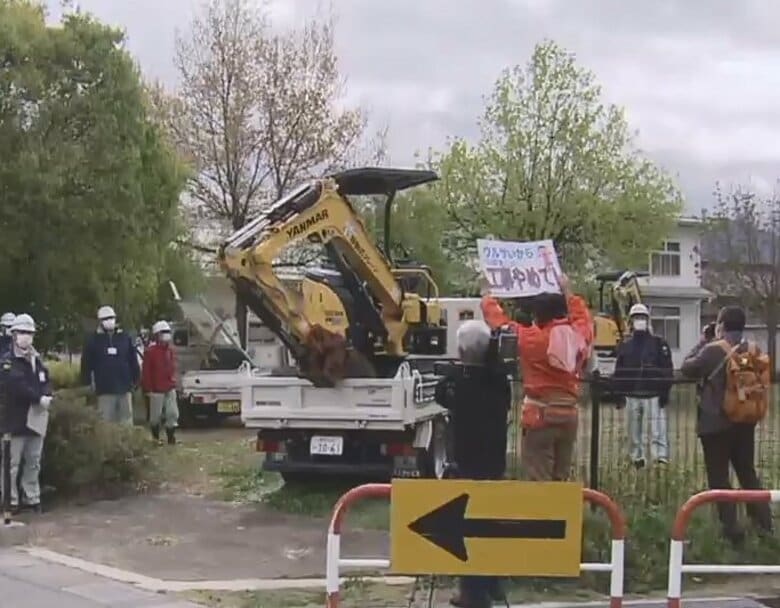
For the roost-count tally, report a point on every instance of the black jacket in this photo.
(6, 342)
(113, 361)
(644, 367)
(479, 399)
(22, 386)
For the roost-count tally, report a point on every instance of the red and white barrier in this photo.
(681, 521)
(334, 561)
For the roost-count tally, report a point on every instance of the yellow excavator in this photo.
(363, 305)
(618, 292)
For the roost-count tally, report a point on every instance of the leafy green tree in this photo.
(553, 161)
(90, 187)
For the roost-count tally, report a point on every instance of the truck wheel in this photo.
(432, 462)
(186, 420)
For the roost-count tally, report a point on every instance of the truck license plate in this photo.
(326, 446)
(229, 407)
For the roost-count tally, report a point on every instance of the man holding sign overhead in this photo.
(553, 350)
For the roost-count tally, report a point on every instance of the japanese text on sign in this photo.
(516, 270)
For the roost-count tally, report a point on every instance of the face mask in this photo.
(109, 324)
(640, 324)
(24, 341)
(165, 337)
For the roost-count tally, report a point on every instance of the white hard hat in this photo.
(637, 310)
(160, 327)
(24, 323)
(105, 312)
(7, 319)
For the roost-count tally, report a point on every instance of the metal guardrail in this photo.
(334, 561)
(676, 546)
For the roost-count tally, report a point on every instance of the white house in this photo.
(673, 291)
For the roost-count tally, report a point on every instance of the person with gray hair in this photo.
(479, 396)
(473, 342)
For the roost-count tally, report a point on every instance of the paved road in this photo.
(32, 583)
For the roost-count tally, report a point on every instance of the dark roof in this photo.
(380, 180)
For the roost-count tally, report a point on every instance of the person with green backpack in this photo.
(735, 384)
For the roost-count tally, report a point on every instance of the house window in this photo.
(666, 263)
(665, 321)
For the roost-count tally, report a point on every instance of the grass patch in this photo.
(218, 463)
(316, 499)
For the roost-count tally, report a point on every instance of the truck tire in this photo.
(433, 461)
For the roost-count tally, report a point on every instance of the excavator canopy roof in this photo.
(614, 275)
(378, 180)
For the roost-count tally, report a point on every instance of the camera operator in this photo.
(478, 394)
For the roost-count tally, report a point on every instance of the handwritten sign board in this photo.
(518, 270)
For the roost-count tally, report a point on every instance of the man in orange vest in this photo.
(553, 351)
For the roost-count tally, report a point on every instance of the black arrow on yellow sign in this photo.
(447, 527)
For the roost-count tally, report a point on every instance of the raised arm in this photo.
(579, 317)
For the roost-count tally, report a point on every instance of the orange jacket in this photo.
(541, 380)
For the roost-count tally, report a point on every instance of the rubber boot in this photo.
(171, 433)
(156, 433)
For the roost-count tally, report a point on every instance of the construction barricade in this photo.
(334, 561)
(676, 566)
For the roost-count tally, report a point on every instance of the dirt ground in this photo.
(180, 537)
(190, 529)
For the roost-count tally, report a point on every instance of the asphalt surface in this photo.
(27, 582)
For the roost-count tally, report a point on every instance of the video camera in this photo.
(502, 354)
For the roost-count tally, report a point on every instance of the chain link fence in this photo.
(603, 458)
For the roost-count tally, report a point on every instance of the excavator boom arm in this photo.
(313, 212)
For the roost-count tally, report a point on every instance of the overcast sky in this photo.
(699, 79)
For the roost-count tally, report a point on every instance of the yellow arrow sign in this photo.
(500, 528)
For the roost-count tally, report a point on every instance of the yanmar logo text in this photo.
(306, 225)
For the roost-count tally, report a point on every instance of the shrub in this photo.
(85, 454)
(64, 374)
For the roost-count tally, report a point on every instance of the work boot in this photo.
(171, 433)
(156, 433)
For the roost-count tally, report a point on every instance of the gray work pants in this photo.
(163, 409)
(116, 408)
(26, 453)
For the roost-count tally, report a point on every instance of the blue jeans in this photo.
(644, 414)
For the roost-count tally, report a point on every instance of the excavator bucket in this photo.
(329, 359)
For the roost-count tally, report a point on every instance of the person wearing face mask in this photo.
(6, 340)
(28, 397)
(158, 380)
(110, 365)
(643, 375)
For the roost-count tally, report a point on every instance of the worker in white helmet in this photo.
(29, 397)
(159, 382)
(6, 321)
(643, 375)
(110, 365)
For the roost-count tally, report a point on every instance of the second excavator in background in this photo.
(618, 292)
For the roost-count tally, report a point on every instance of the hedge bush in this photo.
(64, 374)
(84, 454)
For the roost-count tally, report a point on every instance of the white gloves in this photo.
(46, 401)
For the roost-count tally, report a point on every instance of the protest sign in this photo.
(518, 270)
